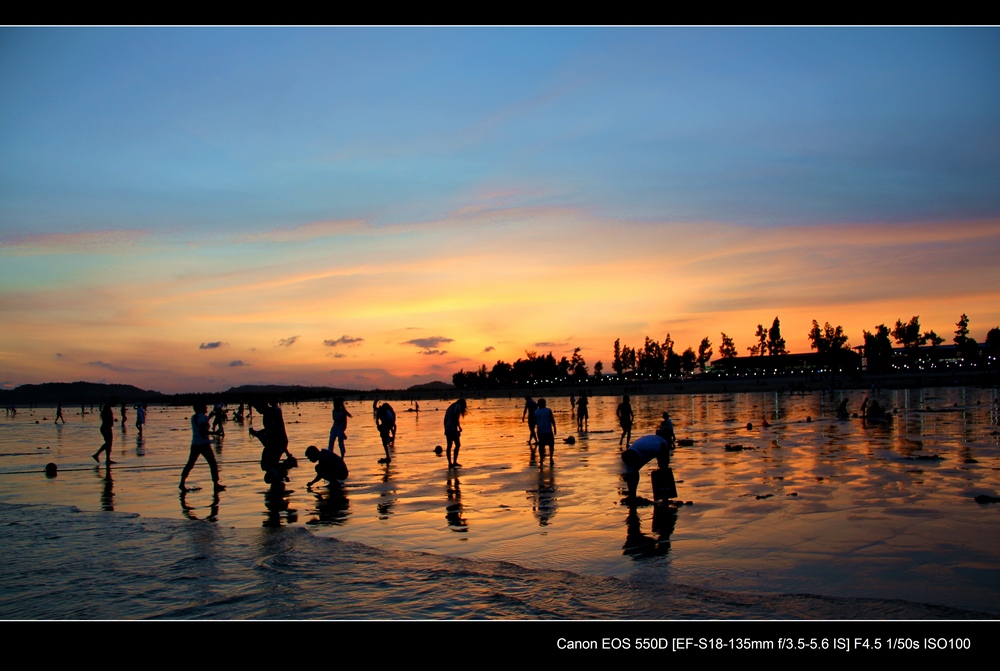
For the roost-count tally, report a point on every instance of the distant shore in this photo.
(92, 393)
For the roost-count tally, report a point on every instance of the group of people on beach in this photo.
(872, 411)
(276, 460)
(108, 423)
(542, 431)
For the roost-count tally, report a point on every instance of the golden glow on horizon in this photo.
(515, 279)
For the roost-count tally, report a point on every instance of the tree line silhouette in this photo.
(659, 360)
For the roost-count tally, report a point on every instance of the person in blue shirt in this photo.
(200, 446)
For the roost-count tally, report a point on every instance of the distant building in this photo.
(842, 361)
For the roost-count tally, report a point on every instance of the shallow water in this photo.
(866, 520)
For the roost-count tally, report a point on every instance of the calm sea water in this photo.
(820, 518)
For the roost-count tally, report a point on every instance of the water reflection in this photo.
(453, 510)
(107, 488)
(332, 505)
(640, 545)
(820, 493)
(189, 510)
(543, 495)
(277, 506)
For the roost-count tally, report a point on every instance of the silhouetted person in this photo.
(124, 416)
(200, 445)
(453, 429)
(339, 431)
(625, 418)
(864, 408)
(140, 416)
(275, 442)
(529, 412)
(329, 466)
(666, 430)
(842, 410)
(219, 420)
(582, 413)
(59, 414)
(640, 453)
(546, 428)
(107, 424)
(385, 422)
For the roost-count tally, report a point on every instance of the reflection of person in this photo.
(385, 421)
(529, 412)
(546, 429)
(339, 430)
(200, 445)
(453, 429)
(625, 419)
(107, 424)
(329, 466)
(640, 453)
(666, 430)
(582, 414)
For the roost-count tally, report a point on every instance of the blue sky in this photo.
(167, 157)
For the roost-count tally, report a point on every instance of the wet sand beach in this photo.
(810, 519)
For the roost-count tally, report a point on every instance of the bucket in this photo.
(663, 484)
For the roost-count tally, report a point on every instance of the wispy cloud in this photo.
(238, 363)
(287, 342)
(489, 348)
(428, 343)
(110, 366)
(343, 340)
(306, 232)
(71, 243)
(211, 345)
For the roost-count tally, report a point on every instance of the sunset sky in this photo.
(193, 209)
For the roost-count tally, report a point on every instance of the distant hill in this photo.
(96, 393)
(78, 393)
(283, 390)
(437, 385)
(249, 393)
